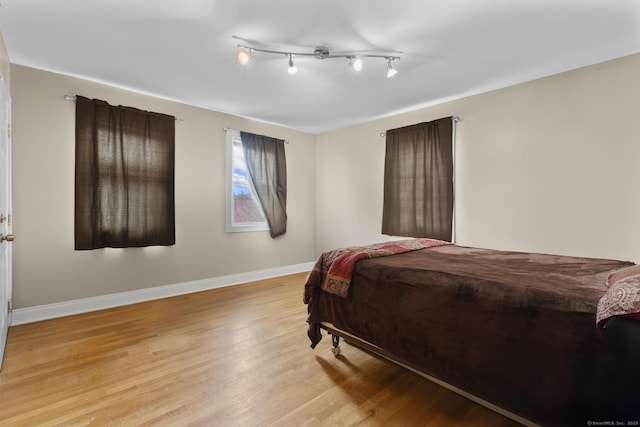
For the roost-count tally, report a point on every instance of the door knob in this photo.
(8, 238)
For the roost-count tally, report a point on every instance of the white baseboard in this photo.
(67, 308)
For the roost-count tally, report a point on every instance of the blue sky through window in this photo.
(244, 210)
(240, 182)
(246, 205)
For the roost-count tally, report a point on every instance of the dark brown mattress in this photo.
(515, 329)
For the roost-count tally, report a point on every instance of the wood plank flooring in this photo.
(235, 356)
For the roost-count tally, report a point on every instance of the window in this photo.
(124, 183)
(256, 183)
(244, 212)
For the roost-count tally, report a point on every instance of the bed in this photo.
(545, 339)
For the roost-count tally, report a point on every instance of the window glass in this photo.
(244, 212)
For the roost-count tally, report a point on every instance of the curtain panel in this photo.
(267, 167)
(418, 181)
(124, 176)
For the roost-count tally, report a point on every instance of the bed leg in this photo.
(335, 339)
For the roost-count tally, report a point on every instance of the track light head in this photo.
(292, 67)
(244, 56)
(355, 63)
(390, 70)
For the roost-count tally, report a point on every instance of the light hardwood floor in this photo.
(236, 356)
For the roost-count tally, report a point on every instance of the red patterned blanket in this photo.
(333, 269)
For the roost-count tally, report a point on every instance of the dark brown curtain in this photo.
(124, 183)
(267, 166)
(418, 181)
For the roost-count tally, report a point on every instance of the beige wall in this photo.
(46, 267)
(546, 166)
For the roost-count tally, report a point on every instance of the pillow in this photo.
(623, 273)
(621, 299)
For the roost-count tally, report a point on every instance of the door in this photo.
(6, 236)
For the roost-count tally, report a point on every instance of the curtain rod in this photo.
(454, 119)
(286, 141)
(72, 98)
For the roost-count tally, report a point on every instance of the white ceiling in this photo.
(186, 50)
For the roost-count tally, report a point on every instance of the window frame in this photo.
(230, 226)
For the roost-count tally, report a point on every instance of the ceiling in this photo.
(186, 51)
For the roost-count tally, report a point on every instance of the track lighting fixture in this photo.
(320, 52)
